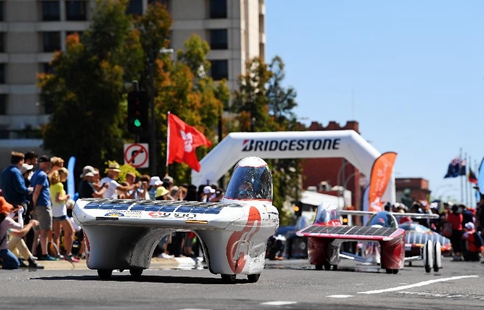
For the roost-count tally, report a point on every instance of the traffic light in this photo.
(297, 210)
(137, 112)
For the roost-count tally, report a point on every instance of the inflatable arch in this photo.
(347, 144)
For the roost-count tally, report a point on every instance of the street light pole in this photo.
(152, 108)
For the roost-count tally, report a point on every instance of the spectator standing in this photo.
(86, 188)
(113, 185)
(155, 182)
(455, 218)
(472, 243)
(59, 198)
(31, 158)
(42, 211)
(13, 182)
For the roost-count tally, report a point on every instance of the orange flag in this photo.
(381, 173)
(182, 142)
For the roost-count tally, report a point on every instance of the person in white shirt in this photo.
(113, 185)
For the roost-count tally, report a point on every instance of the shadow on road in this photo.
(146, 279)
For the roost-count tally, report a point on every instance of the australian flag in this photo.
(457, 167)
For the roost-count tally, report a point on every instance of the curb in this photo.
(156, 263)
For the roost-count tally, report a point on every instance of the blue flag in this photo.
(457, 167)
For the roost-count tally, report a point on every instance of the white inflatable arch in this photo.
(347, 144)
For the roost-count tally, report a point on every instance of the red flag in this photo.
(182, 142)
(471, 176)
(381, 173)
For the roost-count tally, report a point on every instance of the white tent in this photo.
(346, 144)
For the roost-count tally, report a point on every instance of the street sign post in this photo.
(136, 154)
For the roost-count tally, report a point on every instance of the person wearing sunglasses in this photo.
(245, 191)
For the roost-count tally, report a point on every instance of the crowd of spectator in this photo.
(36, 212)
(464, 226)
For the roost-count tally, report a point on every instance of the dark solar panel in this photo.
(168, 208)
(350, 230)
(159, 206)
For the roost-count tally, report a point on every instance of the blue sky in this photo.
(410, 72)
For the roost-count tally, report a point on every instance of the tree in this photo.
(86, 90)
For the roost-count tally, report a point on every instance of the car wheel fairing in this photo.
(428, 259)
(105, 274)
(228, 278)
(437, 256)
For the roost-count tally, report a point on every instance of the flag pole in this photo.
(466, 184)
(460, 177)
(167, 142)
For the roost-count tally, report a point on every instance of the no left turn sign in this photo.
(136, 154)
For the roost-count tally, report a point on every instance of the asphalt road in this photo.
(291, 284)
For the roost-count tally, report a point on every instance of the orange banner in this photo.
(381, 173)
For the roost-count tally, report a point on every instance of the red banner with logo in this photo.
(381, 172)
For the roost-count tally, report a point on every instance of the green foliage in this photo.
(87, 88)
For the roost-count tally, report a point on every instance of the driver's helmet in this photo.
(252, 173)
(383, 219)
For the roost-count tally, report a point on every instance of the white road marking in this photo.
(339, 296)
(399, 288)
(278, 303)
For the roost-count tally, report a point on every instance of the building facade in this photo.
(32, 30)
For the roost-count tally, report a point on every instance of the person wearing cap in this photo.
(472, 243)
(113, 185)
(8, 225)
(207, 193)
(86, 188)
(41, 208)
(13, 183)
(162, 193)
(153, 185)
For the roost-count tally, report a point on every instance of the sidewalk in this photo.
(156, 263)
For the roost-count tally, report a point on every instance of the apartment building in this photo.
(32, 30)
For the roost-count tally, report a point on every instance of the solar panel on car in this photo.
(350, 230)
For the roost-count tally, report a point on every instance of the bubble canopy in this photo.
(251, 179)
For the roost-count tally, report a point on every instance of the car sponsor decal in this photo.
(238, 244)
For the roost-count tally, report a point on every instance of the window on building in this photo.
(2, 42)
(52, 41)
(1, 10)
(47, 68)
(219, 39)
(2, 73)
(135, 7)
(218, 8)
(219, 69)
(76, 10)
(166, 3)
(3, 104)
(50, 10)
